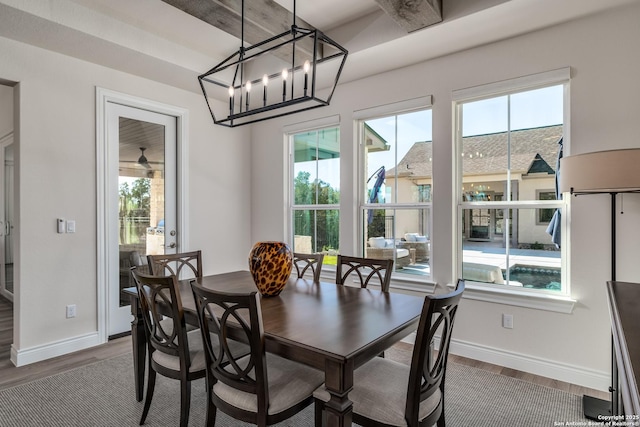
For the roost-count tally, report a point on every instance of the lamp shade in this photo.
(601, 171)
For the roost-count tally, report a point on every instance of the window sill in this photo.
(502, 294)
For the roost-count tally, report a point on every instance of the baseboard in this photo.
(590, 378)
(47, 351)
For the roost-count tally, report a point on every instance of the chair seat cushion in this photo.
(196, 353)
(289, 384)
(380, 392)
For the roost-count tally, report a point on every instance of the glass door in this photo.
(142, 187)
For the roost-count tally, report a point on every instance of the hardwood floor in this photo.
(11, 376)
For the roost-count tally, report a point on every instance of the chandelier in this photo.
(302, 60)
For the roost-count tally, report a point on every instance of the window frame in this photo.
(525, 297)
(360, 117)
(539, 221)
(289, 133)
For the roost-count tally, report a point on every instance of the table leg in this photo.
(139, 340)
(339, 382)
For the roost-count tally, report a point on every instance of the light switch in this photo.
(61, 225)
(71, 226)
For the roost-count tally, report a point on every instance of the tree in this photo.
(322, 223)
(125, 198)
(140, 192)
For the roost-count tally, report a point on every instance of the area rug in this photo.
(101, 394)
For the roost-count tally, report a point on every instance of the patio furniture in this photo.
(403, 256)
(421, 249)
(482, 273)
(418, 242)
(381, 248)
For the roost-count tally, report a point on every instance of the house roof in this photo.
(530, 151)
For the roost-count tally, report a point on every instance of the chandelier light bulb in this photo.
(248, 89)
(306, 66)
(265, 82)
(285, 74)
(231, 91)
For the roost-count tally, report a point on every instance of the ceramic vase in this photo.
(270, 265)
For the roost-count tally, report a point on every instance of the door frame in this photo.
(5, 141)
(104, 96)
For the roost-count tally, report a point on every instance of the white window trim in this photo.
(511, 295)
(288, 131)
(408, 282)
(395, 108)
(501, 294)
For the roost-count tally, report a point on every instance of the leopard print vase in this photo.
(270, 264)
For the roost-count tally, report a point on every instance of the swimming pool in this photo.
(536, 277)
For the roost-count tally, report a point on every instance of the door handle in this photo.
(171, 245)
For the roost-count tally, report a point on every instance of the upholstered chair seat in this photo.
(289, 384)
(385, 404)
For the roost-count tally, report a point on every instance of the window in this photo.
(315, 191)
(397, 185)
(507, 149)
(545, 215)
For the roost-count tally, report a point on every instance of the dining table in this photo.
(334, 328)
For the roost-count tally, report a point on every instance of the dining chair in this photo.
(366, 269)
(308, 262)
(257, 388)
(177, 264)
(387, 393)
(172, 351)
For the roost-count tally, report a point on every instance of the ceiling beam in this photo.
(413, 15)
(263, 20)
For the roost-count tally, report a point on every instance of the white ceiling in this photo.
(155, 40)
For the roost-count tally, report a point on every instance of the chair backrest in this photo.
(428, 370)
(308, 262)
(187, 263)
(227, 317)
(366, 269)
(160, 300)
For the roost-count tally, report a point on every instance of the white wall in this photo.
(605, 89)
(57, 178)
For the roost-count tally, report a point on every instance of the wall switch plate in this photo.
(62, 225)
(71, 311)
(71, 226)
(507, 321)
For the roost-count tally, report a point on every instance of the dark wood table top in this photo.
(624, 305)
(334, 320)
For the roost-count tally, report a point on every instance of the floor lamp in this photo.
(610, 172)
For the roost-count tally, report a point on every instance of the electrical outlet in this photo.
(507, 321)
(71, 311)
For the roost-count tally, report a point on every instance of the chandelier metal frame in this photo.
(244, 109)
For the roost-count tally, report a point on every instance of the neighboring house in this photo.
(533, 155)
